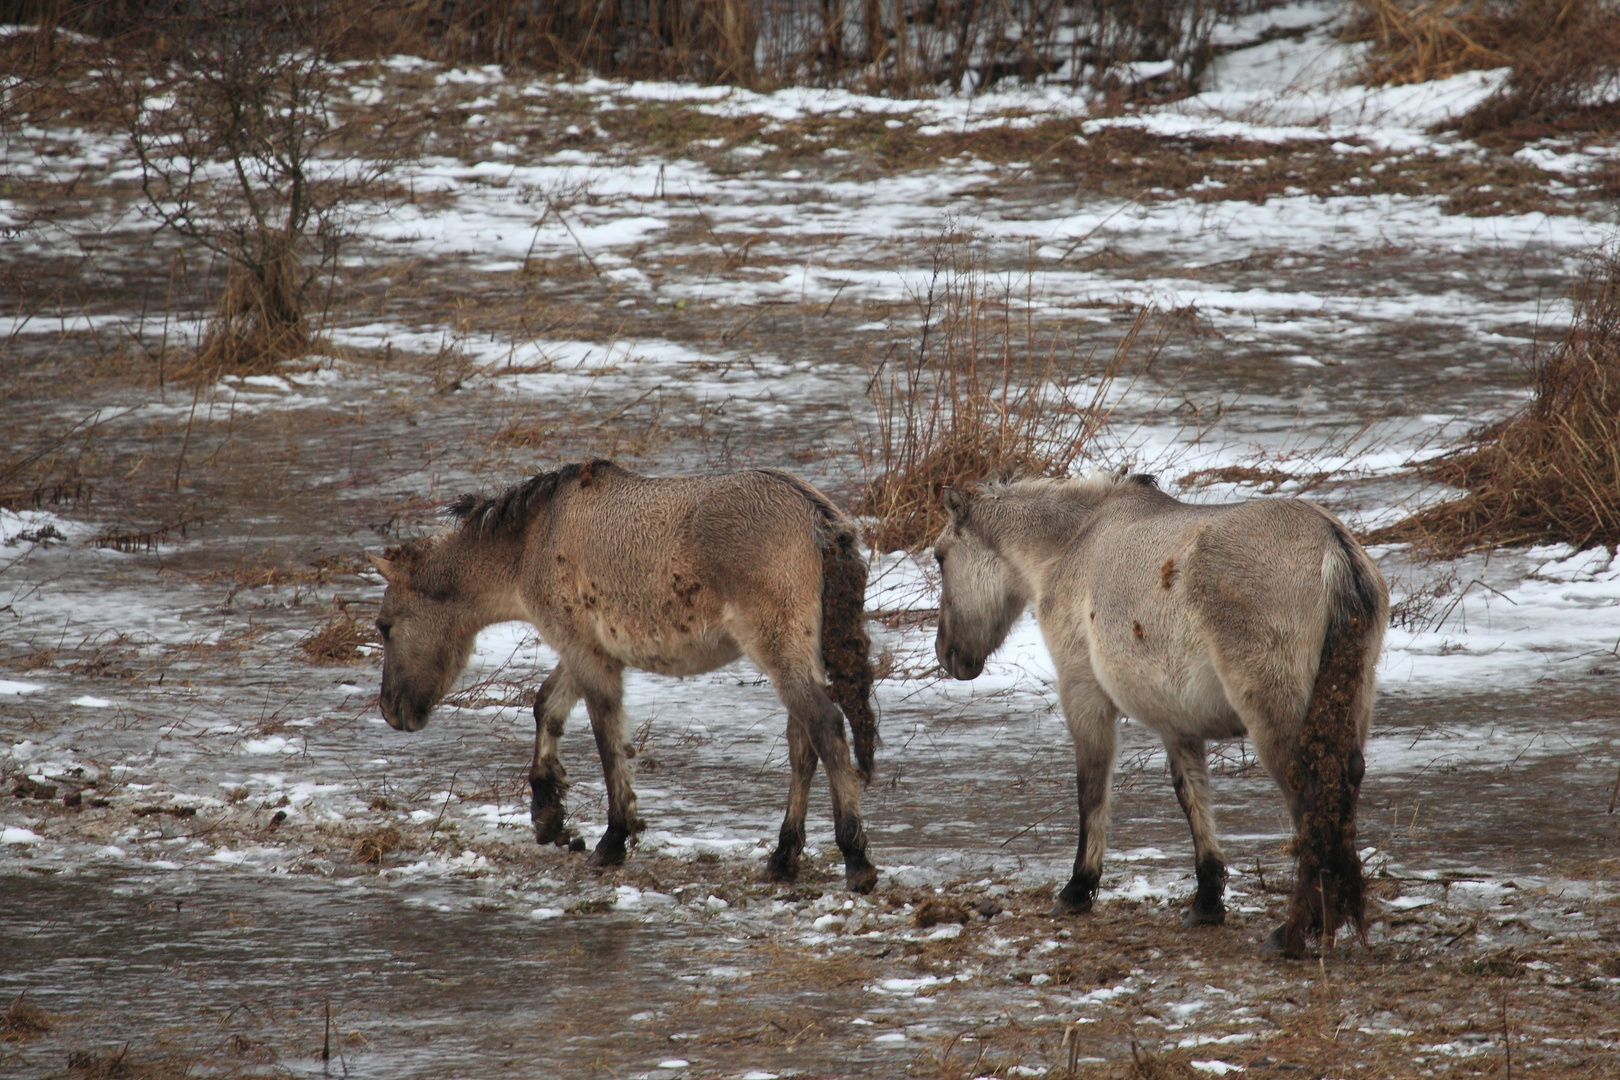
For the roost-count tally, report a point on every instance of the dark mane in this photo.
(511, 511)
(1147, 480)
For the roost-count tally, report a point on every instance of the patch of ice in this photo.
(548, 913)
(1219, 1068)
(14, 688)
(89, 702)
(1408, 903)
(272, 744)
(12, 834)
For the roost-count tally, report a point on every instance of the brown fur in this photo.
(675, 575)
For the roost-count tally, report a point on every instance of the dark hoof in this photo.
(1195, 917)
(576, 843)
(607, 854)
(1277, 945)
(780, 868)
(1066, 906)
(549, 829)
(861, 879)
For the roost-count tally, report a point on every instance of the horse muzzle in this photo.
(402, 716)
(957, 664)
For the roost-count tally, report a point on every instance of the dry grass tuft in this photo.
(23, 1020)
(259, 322)
(375, 844)
(339, 641)
(1550, 473)
(933, 912)
(976, 397)
(1563, 53)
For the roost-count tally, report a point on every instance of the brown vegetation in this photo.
(23, 1020)
(339, 640)
(905, 46)
(977, 396)
(1562, 53)
(375, 844)
(1550, 473)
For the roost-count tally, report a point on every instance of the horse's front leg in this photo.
(1189, 770)
(1093, 722)
(548, 780)
(605, 703)
(784, 861)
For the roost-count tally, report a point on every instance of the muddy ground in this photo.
(198, 781)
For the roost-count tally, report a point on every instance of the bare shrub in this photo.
(1550, 473)
(235, 133)
(975, 396)
(1564, 54)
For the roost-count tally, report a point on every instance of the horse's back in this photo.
(670, 574)
(1190, 609)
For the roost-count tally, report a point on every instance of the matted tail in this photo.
(845, 646)
(1328, 770)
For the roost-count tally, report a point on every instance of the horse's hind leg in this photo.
(1093, 724)
(1189, 769)
(809, 706)
(784, 862)
(605, 703)
(548, 780)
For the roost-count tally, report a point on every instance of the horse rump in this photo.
(1327, 770)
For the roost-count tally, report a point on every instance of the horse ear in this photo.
(390, 571)
(956, 504)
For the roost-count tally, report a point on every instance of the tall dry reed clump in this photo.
(976, 395)
(1550, 473)
(1564, 55)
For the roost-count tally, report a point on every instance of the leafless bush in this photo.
(976, 396)
(1564, 54)
(232, 117)
(1550, 473)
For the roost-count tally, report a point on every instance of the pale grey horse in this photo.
(676, 575)
(1262, 619)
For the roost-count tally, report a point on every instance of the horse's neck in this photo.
(1032, 534)
(487, 576)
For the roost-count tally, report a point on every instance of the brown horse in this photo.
(1262, 619)
(674, 575)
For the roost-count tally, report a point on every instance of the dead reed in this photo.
(1550, 473)
(977, 395)
(23, 1020)
(1563, 53)
(887, 46)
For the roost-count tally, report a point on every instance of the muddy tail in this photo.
(1327, 773)
(845, 646)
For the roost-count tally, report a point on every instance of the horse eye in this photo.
(383, 628)
(940, 559)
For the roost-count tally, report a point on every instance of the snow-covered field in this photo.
(552, 287)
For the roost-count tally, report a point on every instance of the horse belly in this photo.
(1171, 694)
(672, 652)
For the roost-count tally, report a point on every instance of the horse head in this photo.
(980, 595)
(427, 636)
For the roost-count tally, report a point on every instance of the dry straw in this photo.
(1564, 55)
(1550, 473)
(976, 395)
